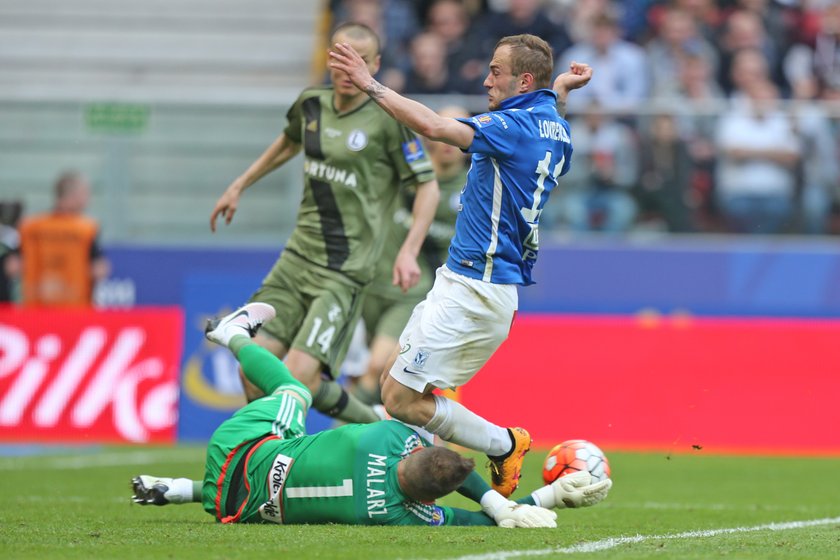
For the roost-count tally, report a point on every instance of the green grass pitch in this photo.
(76, 504)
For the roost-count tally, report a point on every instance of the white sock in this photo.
(180, 491)
(457, 424)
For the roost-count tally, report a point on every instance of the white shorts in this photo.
(454, 331)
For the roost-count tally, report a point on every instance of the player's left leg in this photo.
(449, 337)
(161, 491)
(384, 318)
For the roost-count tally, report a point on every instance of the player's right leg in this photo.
(453, 422)
(235, 331)
(267, 372)
(366, 386)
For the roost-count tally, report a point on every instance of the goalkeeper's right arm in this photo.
(498, 510)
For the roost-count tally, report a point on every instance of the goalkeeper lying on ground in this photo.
(262, 468)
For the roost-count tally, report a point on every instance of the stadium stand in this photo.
(188, 50)
(161, 103)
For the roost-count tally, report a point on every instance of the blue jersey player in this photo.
(519, 149)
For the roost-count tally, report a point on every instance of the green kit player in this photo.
(261, 468)
(387, 308)
(356, 160)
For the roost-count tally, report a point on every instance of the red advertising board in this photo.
(674, 384)
(89, 376)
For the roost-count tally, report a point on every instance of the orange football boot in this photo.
(505, 471)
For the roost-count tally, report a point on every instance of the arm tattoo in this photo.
(561, 107)
(375, 90)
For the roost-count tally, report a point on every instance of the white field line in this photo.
(95, 460)
(706, 507)
(606, 544)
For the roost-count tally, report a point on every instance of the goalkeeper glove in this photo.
(508, 514)
(577, 490)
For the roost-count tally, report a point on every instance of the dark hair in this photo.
(605, 19)
(358, 31)
(10, 212)
(530, 54)
(433, 472)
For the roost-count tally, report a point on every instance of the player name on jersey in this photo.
(376, 477)
(553, 130)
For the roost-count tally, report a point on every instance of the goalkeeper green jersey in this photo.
(354, 165)
(435, 248)
(347, 475)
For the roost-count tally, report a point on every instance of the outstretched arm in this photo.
(570, 491)
(467, 518)
(413, 114)
(279, 152)
(498, 510)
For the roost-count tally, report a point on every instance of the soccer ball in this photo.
(575, 455)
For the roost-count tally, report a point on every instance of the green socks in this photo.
(267, 372)
(366, 395)
(261, 367)
(333, 400)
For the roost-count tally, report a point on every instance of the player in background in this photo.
(356, 158)
(387, 308)
(62, 260)
(261, 468)
(519, 150)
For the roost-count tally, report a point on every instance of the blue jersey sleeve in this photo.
(496, 134)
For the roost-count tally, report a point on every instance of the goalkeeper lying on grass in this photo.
(262, 468)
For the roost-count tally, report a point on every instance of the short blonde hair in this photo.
(358, 31)
(532, 55)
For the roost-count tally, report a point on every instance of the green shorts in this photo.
(282, 414)
(316, 309)
(387, 315)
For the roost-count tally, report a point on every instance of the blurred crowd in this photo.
(702, 115)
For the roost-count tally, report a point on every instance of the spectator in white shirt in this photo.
(758, 152)
(621, 81)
